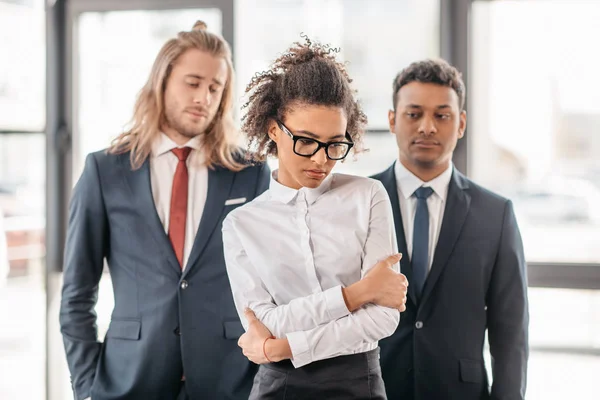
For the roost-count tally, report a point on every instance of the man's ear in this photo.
(392, 120)
(462, 127)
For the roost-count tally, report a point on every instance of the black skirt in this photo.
(352, 377)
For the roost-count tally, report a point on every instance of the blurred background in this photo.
(70, 71)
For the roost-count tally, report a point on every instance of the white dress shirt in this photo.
(289, 253)
(162, 170)
(407, 183)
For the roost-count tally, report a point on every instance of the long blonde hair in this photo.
(220, 138)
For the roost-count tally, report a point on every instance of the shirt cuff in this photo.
(300, 350)
(336, 306)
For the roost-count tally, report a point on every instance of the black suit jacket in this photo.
(477, 281)
(165, 323)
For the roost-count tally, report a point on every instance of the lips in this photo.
(426, 142)
(315, 173)
(197, 113)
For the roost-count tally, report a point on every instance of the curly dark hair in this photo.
(307, 73)
(431, 71)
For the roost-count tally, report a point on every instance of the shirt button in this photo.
(184, 285)
(419, 324)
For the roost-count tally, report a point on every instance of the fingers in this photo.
(404, 280)
(386, 263)
(401, 300)
(390, 260)
(242, 340)
(250, 316)
(402, 306)
(393, 259)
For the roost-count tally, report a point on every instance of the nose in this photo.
(320, 157)
(427, 126)
(202, 96)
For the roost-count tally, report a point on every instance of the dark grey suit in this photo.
(165, 323)
(477, 281)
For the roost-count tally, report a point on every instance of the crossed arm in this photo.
(324, 324)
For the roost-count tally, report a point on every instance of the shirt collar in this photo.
(286, 194)
(407, 182)
(164, 144)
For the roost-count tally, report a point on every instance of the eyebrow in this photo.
(312, 135)
(215, 80)
(440, 107)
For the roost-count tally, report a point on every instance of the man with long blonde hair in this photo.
(152, 206)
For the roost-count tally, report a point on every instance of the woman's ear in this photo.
(273, 131)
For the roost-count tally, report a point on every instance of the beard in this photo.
(184, 125)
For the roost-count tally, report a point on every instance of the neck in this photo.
(285, 179)
(175, 136)
(426, 173)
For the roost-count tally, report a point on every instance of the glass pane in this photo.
(23, 78)
(535, 113)
(115, 53)
(574, 343)
(377, 39)
(564, 358)
(22, 293)
(582, 307)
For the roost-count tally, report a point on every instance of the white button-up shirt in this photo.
(163, 163)
(289, 253)
(407, 183)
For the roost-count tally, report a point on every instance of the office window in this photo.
(377, 39)
(534, 121)
(564, 356)
(22, 70)
(22, 251)
(22, 199)
(533, 137)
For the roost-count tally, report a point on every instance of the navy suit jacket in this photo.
(165, 322)
(477, 281)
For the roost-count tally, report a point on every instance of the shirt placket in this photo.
(302, 216)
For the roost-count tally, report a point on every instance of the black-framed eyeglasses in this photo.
(308, 147)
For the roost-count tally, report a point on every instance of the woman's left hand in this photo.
(253, 340)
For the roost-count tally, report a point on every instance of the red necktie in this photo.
(179, 200)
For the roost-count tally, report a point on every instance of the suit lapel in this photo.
(139, 184)
(220, 181)
(388, 178)
(455, 214)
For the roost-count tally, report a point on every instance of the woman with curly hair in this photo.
(312, 262)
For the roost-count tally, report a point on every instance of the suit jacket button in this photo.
(418, 324)
(184, 285)
(177, 331)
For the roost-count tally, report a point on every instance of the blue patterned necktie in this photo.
(420, 250)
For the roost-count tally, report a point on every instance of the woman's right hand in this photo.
(385, 286)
